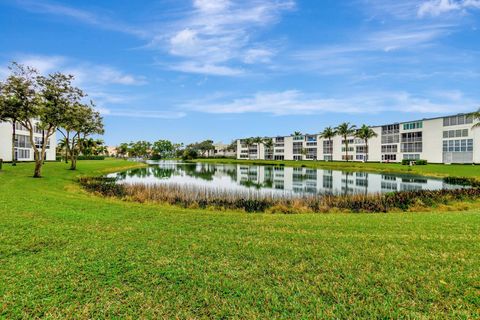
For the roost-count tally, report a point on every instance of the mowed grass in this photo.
(65, 253)
(433, 170)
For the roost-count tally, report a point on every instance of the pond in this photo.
(276, 179)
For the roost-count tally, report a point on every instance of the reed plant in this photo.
(274, 202)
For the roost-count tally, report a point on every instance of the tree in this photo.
(122, 150)
(19, 98)
(82, 121)
(328, 133)
(345, 130)
(258, 141)
(62, 146)
(268, 143)
(162, 149)
(366, 133)
(249, 143)
(476, 116)
(140, 149)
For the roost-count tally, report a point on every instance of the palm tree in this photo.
(476, 116)
(63, 146)
(248, 142)
(297, 133)
(346, 130)
(328, 133)
(366, 133)
(268, 143)
(258, 141)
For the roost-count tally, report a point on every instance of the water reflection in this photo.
(277, 179)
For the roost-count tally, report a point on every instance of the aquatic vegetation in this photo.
(256, 201)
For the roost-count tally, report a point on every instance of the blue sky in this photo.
(189, 70)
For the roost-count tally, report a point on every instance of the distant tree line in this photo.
(46, 104)
(165, 149)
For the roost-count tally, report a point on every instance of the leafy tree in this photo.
(122, 149)
(19, 98)
(139, 149)
(328, 133)
(346, 130)
(82, 121)
(366, 133)
(189, 154)
(162, 149)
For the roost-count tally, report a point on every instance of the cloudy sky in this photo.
(188, 70)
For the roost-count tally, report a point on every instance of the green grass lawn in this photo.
(434, 170)
(68, 254)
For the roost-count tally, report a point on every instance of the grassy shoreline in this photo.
(65, 253)
(430, 170)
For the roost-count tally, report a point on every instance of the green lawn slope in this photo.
(65, 253)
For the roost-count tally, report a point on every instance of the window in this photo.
(280, 139)
(359, 157)
(393, 128)
(349, 141)
(350, 157)
(361, 149)
(327, 158)
(393, 138)
(412, 147)
(279, 157)
(298, 138)
(455, 134)
(413, 125)
(389, 157)
(327, 147)
(23, 154)
(279, 150)
(457, 120)
(311, 139)
(22, 141)
(350, 149)
(412, 137)
(390, 148)
(463, 145)
(411, 156)
(297, 147)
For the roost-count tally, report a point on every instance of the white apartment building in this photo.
(221, 150)
(450, 139)
(23, 147)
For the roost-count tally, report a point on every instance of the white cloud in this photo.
(210, 69)
(84, 72)
(293, 102)
(438, 7)
(83, 16)
(134, 113)
(220, 32)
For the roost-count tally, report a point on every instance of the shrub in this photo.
(91, 158)
(256, 201)
(407, 162)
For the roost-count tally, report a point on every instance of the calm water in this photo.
(273, 179)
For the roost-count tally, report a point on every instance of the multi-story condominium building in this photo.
(221, 150)
(23, 147)
(451, 139)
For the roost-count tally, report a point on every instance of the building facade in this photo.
(23, 147)
(221, 151)
(451, 139)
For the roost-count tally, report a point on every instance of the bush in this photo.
(189, 154)
(406, 162)
(91, 158)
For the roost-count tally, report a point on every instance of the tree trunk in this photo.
(346, 148)
(38, 166)
(14, 160)
(73, 163)
(366, 150)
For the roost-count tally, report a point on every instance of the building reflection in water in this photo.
(284, 179)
